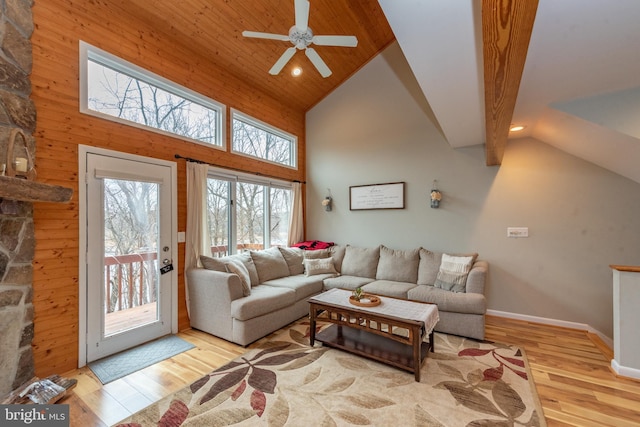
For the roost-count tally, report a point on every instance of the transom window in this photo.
(117, 90)
(254, 138)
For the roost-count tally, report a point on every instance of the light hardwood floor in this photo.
(570, 369)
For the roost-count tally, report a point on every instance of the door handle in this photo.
(166, 261)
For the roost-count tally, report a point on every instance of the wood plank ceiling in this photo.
(213, 28)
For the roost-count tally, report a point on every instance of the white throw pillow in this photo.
(453, 272)
(319, 266)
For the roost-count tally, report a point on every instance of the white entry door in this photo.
(130, 271)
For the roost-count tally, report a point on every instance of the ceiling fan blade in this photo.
(280, 63)
(302, 15)
(346, 41)
(317, 62)
(270, 36)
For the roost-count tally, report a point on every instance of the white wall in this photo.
(377, 128)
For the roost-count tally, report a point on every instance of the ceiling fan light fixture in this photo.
(296, 71)
(301, 37)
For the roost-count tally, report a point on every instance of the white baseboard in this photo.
(624, 371)
(555, 322)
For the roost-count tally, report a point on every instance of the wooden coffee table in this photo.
(373, 332)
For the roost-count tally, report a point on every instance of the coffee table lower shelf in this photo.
(372, 346)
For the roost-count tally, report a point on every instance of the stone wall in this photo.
(16, 218)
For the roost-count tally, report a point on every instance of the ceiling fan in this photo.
(301, 36)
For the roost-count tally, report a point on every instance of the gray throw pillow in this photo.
(270, 264)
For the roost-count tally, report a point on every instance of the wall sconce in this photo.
(19, 161)
(326, 202)
(436, 195)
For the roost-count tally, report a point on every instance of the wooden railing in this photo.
(223, 250)
(131, 279)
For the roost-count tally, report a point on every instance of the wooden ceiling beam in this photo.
(506, 31)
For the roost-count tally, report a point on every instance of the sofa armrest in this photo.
(477, 277)
(210, 296)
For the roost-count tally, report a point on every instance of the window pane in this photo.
(250, 216)
(119, 95)
(280, 213)
(261, 143)
(218, 216)
(131, 253)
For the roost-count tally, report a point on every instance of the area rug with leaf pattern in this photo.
(286, 382)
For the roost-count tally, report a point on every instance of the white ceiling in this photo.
(580, 89)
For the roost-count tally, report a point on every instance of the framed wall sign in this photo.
(377, 196)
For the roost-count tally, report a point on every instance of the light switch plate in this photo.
(181, 237)
(517, 232)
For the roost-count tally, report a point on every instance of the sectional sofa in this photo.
(244, 297)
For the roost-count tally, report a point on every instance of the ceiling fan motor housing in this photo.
(300, 39)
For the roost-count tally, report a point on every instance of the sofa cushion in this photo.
(263, 300)
(398, 266)
(389, 288)
(237, 267)
(320, 253)
(453, 272)
(293, 258)
(361, 262)
(449, 301)
(428, 267)
(346, 282)
(319, 266)
(219, 264)
(216, 264)
(303, 286)
(337, 253)
(270, 264)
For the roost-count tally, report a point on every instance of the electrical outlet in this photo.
(517, 232)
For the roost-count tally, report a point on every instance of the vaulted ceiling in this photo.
(574, 81)
(567, 70)
(214, 29)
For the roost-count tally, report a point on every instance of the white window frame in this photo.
(238, 177)
(267, 128)
(89, 52)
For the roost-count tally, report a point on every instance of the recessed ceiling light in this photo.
(296, 71)
(516, 128)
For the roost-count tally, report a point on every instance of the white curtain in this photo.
(197, 240)
(296, 225)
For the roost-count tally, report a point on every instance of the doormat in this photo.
(129, 361)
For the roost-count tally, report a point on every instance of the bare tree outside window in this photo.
(120, 95)
(280, 214)
(218, 215)
(250, 215)
(256, 141)
(131, 241)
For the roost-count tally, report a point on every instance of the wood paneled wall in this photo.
(59, 25)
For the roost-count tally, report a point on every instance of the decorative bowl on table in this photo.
(364, 300)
